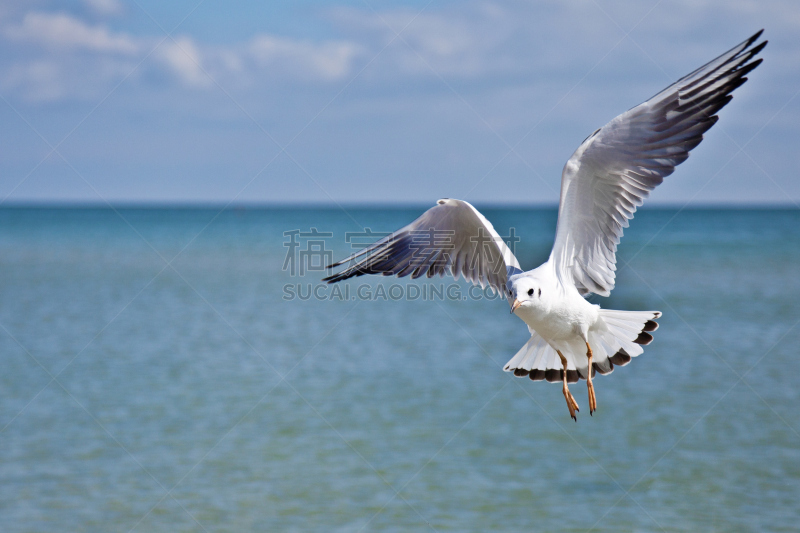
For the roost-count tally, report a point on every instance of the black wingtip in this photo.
(760, 46)
(339, 263)
(344, 274)
(340, 276)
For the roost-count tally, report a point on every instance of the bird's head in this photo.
(525, 291)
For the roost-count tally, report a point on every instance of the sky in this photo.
(116, 102)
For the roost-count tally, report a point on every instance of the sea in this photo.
(186, 369)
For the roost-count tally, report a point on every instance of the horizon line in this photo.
(203, 205)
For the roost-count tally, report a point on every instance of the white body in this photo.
(561, 320)
(555, 312)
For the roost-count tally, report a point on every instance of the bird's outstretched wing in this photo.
(616, 167)
(451, 237)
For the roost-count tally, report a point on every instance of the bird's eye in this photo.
(530, 292)
(540, 292)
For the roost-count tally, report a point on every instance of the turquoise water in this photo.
(157, 376)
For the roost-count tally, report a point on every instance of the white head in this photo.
(525, 291)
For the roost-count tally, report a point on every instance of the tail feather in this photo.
(539, 361)
(619, 338)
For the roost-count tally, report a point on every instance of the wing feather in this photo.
(451, 237)
(614, 170)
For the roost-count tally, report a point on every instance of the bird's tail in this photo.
(618, 337)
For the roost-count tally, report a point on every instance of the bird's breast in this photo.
(560, 320)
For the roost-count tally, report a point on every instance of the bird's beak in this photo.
(514, 306)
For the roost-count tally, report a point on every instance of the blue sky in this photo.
(373, 102)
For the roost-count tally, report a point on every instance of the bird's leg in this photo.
(592, 399)
(572, 405)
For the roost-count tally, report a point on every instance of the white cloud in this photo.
(328, 60)
(482, 44)
(478, 39)
(183, 59)
(105, 7)
(52, 80)
(62, 52)
(40, 80)
(60, 31)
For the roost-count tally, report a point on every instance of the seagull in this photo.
(610, 174)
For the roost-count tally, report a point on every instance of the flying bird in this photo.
(610, 174)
